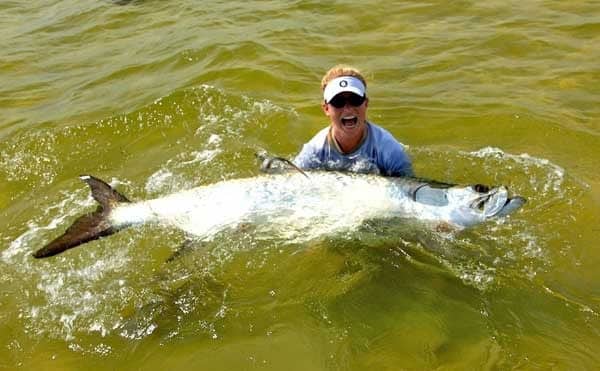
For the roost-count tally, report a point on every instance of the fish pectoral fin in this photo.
(431, 196)
(86, 228)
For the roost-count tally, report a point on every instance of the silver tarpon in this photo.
(294, 205)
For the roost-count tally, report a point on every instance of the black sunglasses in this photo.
(340, 100)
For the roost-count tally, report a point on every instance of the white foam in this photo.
(71, 204)
(204, 156)
(158, 180)
(215, 140)
(554, 174)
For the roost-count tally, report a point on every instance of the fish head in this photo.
(478, 202)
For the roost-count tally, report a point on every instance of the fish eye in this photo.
(481, 188)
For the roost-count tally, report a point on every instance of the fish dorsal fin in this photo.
(106, 196)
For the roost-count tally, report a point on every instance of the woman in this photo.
(350, 142)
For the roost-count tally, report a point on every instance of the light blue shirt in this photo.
(379, 153)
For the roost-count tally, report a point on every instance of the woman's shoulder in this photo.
(319, 140)
(382, 137)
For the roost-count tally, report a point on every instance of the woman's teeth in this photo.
(349, 120)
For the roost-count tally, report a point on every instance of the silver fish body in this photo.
(322, 198)
(292, 205)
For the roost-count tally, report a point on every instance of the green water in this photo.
(159, 96)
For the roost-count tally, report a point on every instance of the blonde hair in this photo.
(341, 70)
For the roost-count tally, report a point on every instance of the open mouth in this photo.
(350, 121)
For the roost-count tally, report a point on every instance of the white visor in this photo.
(343, 84)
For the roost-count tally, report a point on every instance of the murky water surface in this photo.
(158, 96)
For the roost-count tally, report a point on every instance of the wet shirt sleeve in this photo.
(307, 158)
(397, 163)
(392, 158)
(312, 154)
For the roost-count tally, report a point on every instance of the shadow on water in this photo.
(126, 2)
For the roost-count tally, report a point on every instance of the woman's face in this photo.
(348, 119)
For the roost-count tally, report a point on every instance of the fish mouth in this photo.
(511, 205)
(349, 122)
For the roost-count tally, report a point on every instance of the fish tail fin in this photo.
(91, 226)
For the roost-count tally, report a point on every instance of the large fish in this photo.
(292, 204)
